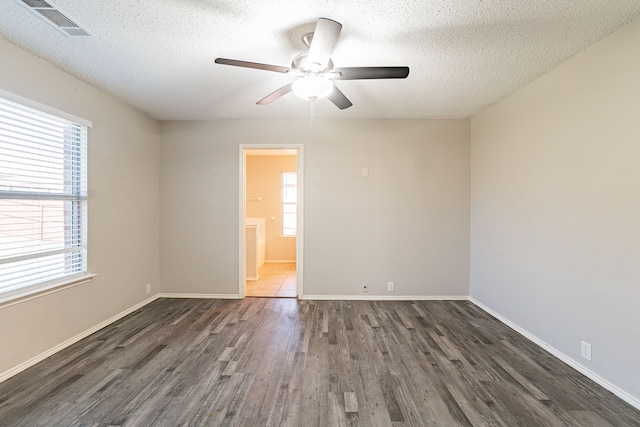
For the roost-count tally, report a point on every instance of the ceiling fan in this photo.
(315, 69)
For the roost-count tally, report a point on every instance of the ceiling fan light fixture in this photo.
(312, 87)
(315, 69)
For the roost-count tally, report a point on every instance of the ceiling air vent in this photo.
(55, 17)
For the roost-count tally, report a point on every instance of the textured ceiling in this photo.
(464, 55)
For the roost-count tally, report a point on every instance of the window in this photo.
(289, 201)
(43, 199)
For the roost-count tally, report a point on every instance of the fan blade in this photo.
(338, 98)
(275, 95)
(359, 73)
(255, 65)
(324, 39)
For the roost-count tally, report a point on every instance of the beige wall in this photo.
(555, 213)
(408, 222)
(263, 175)
(123, 211)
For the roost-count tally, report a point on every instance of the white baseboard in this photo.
(39, 358)
(631, 400)
(384, 297)
(204, 296)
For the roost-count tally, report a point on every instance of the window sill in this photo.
(287, 237)
(22, 295)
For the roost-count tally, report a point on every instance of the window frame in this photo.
(287, 203)
(73, 148)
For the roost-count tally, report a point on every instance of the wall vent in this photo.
(55, 17)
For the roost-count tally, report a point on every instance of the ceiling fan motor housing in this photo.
(300, 63)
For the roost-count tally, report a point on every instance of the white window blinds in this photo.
(43, 198)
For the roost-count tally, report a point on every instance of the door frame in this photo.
(300, 211)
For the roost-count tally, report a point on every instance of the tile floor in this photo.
(277, 279)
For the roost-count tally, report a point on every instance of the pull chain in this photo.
(311, 116)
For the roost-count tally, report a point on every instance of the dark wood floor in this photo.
(260, 361)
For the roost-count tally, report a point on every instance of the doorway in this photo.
(271, 231)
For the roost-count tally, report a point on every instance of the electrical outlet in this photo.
(365, 287)
(148, 288)
(124, 300)
(390, 286)
(585, 350)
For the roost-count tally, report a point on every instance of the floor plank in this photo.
(280, 361)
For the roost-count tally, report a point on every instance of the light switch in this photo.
(365, 171)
